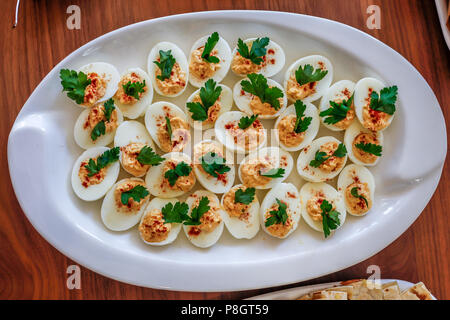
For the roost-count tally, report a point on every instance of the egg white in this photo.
(96, 191)
(132, 131)
(310, 133)
(351, 133)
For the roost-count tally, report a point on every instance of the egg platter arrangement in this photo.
(142, 160)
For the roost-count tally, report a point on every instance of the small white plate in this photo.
(41, 153)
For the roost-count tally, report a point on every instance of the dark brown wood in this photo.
(32, 269)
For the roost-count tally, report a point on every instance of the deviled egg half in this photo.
(137, 149)
(337, 110)
(322, 160)
(168, 125)
(239, 132)
(210, 58)
(259, 95)
(364, 147)
(124, 204)
(265, 168)
(211, 167)
(134, 93)
(375, 103)
(153, 228)
(97, 126)
(206, 215)
(322, 207)
(308, 78)
(241, 211)
(207, 104)
(172, 177)
(94, 172)
(257, 55)
(297, 126)
(91, 84)
(280, 211)
(168, 68)
(357, 186)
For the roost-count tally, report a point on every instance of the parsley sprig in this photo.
(301, 124)
(197, 212)
(246, 122)
(274, 173)
(165, 64)
(208, 95)
(385, 101)
(137, 193)
(148, 156)
(209, 46)
(133, 89)
(307, 74)
(330, 218)
(245, 197)
(74, 83)
(320, 156)
(100, 128)
(106, 158)
(374, 149)
(214, 164)
(279, 216)
(258, 86)
(354, 192)
(337, 111)
(257, 51)
(182, 169)
(175, 213)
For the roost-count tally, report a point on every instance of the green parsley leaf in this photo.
(208, 95)
(301, 125)
(133, 89)
(98, 130)
(246, 122)
(245, 197)
(107, 157)
(354, 192)
(198, 212)
(257, 51)
(385, 102)
(209, 46)
(274, 173)
(374, 149)
(214, 164)
(337, 111)
(330, 218)
(258, 87)
(307, 74)
(109, 108)
(182, 169)
(320, 156)
(137, 193)
(175, 213)
(74, 83)
(165, 64)
(148, 156)
(277, 216)
(169, 128)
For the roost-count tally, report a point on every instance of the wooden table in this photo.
(32, 269)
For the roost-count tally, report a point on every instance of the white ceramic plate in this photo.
(41, 152)
(295, 293)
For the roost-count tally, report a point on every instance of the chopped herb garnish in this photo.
(137, 193)
(301, 125)
(385, 102)
(208, 95)
(109, 108)
(74, 83)
(258, 86)
(246, 122)
(197, 212)
(175, 213)
(98, 130)
(182, 169)
(245, 197)
(307, 74)
(374, 149)
(273, 173)
(354, 192)
(330, 218)
(169, 128)
(320, 156)
(107, 157)
(337, 112)
(279, 216)
(165, 64)
(214, 164)
(133, 89)
(209, 46)
(257, 51)
(148, 156)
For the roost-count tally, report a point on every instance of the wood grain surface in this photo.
(32, 269)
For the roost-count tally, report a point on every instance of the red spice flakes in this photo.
(290, 195)
(229, 126)
(242, 93)
(346, 92)
(194, 231)
(272, 61)
(356, 179)
(222, 178)
(271, 51)
(321, 65)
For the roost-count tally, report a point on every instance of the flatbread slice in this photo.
(391, 291)
(417, 292)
